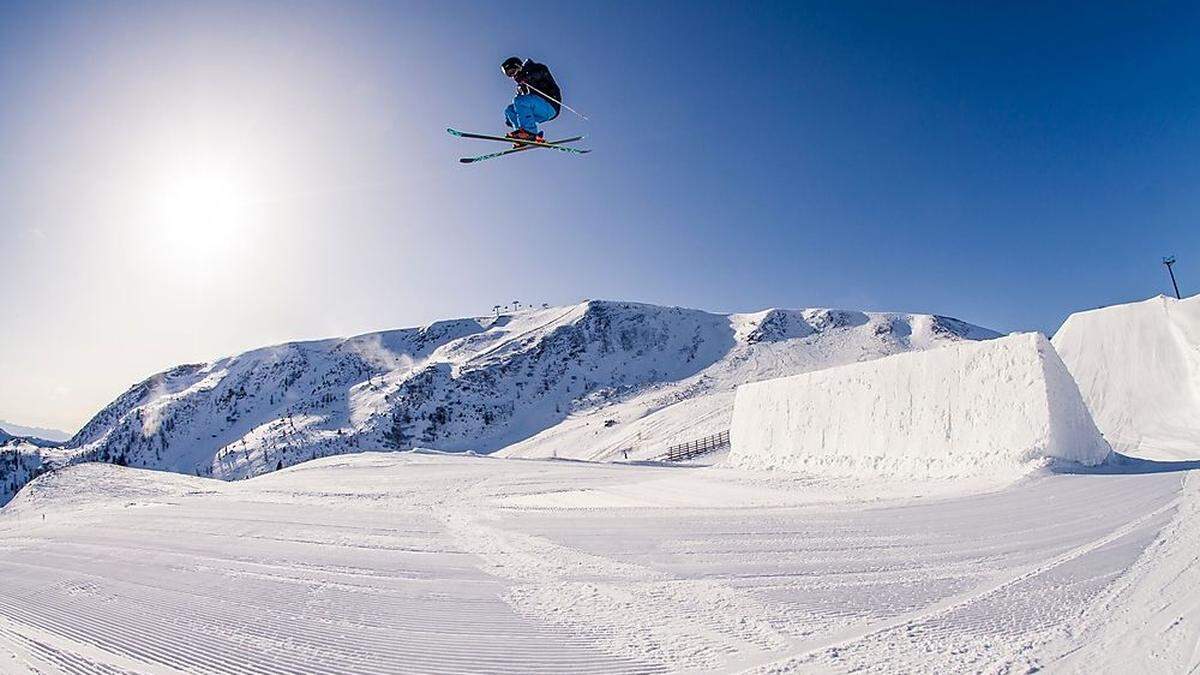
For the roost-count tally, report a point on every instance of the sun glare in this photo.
(201, 211)
(202, 205)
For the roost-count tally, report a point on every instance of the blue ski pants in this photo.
(527, 110)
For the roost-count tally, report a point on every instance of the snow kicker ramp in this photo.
(1138, 368)
(987, 409)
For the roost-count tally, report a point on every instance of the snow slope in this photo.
(1148, 620)
(1138, 367)
(430, 563)
(581, 381)
(990, 408)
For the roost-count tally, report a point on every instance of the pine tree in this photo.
(397, 436)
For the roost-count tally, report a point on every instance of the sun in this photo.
(201, 205)
(201, 209)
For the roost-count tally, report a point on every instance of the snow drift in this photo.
(970, 409)
(1138, 368)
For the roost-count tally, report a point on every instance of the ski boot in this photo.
(523, 135)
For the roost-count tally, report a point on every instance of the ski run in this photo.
(904, 493)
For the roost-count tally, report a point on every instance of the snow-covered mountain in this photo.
(586, 380)
(21, 460)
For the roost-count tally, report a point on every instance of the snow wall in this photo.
(971, 409)
(1138, 368)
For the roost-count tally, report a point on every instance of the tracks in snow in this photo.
(428, 563)
(827, 651)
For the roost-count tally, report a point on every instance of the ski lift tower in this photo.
(1168, 261)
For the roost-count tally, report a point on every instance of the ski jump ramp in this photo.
(1138, 368)
(992, 408)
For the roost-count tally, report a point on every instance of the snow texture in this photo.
(992, 408)
(1138, 368)
(1148, 620)
(437, 563)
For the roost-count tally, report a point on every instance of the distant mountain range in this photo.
(34, 432)
(597, 380)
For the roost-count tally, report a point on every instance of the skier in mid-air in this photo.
(538, 99)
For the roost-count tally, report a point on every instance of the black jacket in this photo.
(538, 76)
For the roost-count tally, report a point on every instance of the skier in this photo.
(538, 99)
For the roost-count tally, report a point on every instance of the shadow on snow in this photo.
(1124, 464)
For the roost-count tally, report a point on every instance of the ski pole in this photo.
(548, 97)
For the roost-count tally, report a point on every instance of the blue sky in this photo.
(1004, 163)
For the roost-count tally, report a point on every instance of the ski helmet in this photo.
(511, 63)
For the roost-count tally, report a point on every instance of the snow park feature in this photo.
(1138, 368)
(984, 409)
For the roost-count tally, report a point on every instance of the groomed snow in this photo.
(434, 563)
(1138, 368)
(993, 408)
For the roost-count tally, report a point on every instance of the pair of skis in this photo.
(525, 145)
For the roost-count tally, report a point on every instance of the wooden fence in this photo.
(700, 446)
